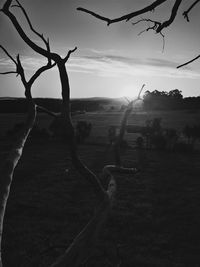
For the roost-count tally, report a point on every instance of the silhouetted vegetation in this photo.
(83, 130)
(172, 100)
(19, 105)
(192, 133)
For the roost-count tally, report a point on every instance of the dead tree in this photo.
(82, 246)
(156, 26)
(17, 150)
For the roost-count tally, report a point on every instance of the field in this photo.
(156, 217)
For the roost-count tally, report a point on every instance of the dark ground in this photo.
(155, 220)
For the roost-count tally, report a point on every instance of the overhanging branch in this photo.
(188, 62)
(126, 17)
(185, 13)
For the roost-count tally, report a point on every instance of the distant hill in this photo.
(19, 105)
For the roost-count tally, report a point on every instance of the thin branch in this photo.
(40, 71)
(188, 62)
(20, 71)
(24, 36)
(6, 52)
(8, 72)
(185, 13)
(69, 54)
(46, 53)
(155, 25)
(41, 36)
(49, 112)
(127, 17)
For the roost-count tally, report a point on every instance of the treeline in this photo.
(172, 100)
(19, 105)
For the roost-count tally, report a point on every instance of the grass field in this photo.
(156, 217)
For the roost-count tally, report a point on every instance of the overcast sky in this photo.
(110, 61)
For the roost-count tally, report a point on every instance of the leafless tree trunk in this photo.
(10, 164)
(17, 150)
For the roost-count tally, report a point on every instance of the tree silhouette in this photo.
(82, 246)
(156, 26)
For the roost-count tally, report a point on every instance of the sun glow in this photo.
(129, 92)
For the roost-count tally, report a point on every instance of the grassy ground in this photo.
(155, 220)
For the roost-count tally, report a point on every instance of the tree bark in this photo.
(10, 164)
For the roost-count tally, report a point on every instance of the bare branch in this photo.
(24, 36)
(69, 54)
(127, 17)
(185, 13)
(40, 71)
(172, 17)
(138, 98)
(44, 52)
(8, 72)
(20, 71)
(41, 36)
(6, 52)
(188, 62)
(154, 27)
(49, 112)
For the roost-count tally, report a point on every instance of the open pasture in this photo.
(156, 216)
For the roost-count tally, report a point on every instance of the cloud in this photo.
(110, 64)
(117, 65)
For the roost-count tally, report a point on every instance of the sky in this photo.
(110, 61)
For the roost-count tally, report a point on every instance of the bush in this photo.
(83, 131)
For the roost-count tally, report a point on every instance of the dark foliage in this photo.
(83, 130)
(19, 105)
(157, 137)
(192, 133)
(172, 100)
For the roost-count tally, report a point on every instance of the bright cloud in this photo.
(110, 64)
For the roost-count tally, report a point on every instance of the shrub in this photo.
(83, 130)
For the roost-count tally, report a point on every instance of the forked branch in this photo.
(41, 36)
(185, 13)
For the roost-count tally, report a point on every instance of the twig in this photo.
(185, 13)
(188, 62)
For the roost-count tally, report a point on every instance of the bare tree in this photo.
(156, 26)
(82, 246)
(17, 150)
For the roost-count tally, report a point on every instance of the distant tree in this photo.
(163, 100)
(176, 94)
(192, 133)
(153, 134)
